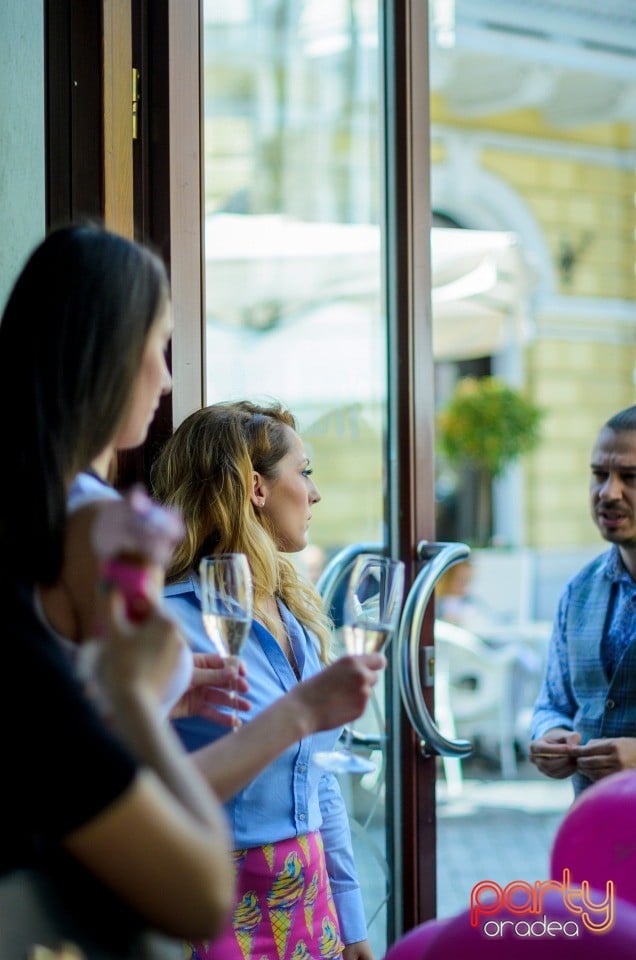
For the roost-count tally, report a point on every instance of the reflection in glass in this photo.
(293, 268)
(292, 241)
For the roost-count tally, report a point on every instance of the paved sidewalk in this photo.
(496, 829)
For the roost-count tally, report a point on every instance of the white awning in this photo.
(479, 292)
(264, 272)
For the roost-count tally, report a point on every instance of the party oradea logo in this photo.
(526, 910)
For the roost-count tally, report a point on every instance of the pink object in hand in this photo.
(134, 582)
(133, 535)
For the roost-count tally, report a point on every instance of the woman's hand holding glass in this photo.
(338, 694)
(370, 616)
(226, 607)
(217, 681)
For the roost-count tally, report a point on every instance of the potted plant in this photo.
(486, 425)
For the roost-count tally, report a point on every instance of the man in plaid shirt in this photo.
(584, 719)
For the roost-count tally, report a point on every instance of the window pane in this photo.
(293, 278)
(292, 240)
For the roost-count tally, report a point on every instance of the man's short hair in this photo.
(623, 420)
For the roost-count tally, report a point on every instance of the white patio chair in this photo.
(474, 695)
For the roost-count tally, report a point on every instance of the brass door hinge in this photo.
(136, 96)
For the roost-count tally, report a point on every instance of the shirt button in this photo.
(301, 768)
(301, 816)
(610, 704)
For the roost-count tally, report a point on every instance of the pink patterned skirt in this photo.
(284, 909)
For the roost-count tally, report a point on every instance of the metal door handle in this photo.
(438, 558)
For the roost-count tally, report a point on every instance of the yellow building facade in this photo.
(569, 196)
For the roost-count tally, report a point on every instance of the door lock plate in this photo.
(428, 654)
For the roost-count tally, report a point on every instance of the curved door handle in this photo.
(439, 557)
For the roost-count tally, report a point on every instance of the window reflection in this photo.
(292, 238)
(293, 275)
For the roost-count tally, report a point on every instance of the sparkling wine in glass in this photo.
(226, 604)
(370, 616)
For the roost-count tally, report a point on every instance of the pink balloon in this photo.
(526, 935)
(413, 945)
(596, 840)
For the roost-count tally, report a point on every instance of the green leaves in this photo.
(487, 424)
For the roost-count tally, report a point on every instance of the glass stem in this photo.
(236, 721)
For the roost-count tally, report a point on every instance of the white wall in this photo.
(22, 166)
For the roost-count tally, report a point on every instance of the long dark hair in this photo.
(71, 340)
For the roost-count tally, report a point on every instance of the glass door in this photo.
(311, 298)
(532, 187)
(324, 157)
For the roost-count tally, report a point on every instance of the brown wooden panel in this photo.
(91, 165)
(168, 194)
(118, 144)
(186, 211)
(86, 160)
(74, 110)
(58, 110)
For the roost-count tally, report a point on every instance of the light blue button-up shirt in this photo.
(292, 796)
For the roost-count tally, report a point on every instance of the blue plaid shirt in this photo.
(590, 680)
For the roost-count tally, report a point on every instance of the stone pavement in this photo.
(496, 829)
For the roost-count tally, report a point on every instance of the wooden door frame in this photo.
(170, 209)
(74, 110)
(88, 61)
(151, 189)
(411, 797)
(167, 47)
(117, 65)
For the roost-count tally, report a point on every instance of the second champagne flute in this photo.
(226, 604)
(370, 616)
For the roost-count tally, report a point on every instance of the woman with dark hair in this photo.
(73, 337)
(119, 816)
(130, 834)
(239, 475)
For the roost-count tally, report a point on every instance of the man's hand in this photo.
(553, 755)
(216, 682)
(357, 951)
(599, 758)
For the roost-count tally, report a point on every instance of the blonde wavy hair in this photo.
(206, 470)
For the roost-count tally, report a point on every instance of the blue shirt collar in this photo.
(189, 585)
(615, 569)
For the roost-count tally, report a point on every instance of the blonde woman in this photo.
(240, 476)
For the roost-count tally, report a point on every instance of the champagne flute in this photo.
(370, 616)
(226, 605)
